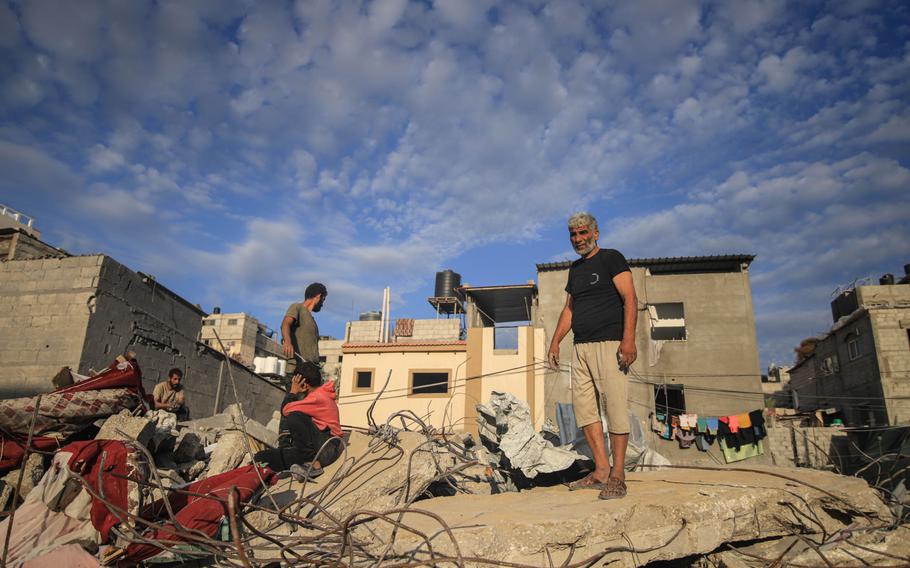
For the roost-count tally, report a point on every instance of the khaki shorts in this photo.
(596, 375)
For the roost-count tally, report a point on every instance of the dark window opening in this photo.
(322, 359)
(232, 322)
(669, 400)
(363, 380)
(668, 322)
(430, 382)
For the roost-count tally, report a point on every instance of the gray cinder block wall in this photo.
(82, 312)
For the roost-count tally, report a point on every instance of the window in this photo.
(668, 322)
(853, 349)
(322, 359)
(669, 400)
(232, 322)
(208, 322)
(363, 379)
(208, 342)
(505, 338)
(830, 365)
(429, 382)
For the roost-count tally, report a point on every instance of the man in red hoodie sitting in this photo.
(310, 414)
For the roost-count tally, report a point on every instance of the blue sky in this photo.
(240, 150)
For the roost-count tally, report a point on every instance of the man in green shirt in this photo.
(299, 332)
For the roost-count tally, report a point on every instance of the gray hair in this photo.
(583, 218)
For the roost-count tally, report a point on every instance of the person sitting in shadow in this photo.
(309, 415)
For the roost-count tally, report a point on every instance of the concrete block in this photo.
(123, 426)
(228, 454)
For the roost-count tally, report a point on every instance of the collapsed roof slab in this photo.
(667, 514)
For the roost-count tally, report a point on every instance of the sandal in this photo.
(587, 482)
(614, 488)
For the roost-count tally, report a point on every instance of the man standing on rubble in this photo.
(310, 413)
(299, 332)
(168, 395)
(601, 310)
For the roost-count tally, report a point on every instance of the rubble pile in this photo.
(147, 488)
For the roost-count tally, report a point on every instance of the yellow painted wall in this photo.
(354, 404)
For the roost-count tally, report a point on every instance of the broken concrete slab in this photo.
(667, 514)
(125, 426)
(230, 452)
(870, 548)
(253, 429)
(275, 422)
(371, 474)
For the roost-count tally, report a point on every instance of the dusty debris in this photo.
(230, 453)
(124, 426)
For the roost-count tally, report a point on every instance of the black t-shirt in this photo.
(597, 307)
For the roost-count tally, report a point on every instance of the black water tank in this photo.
(216, 310)
(886, 279)
(446, 282)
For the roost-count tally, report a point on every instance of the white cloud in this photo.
(69, 30)
(360, 142)
(101, 158)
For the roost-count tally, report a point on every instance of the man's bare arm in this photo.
(562, 328)
(626, 288)
(286, 344)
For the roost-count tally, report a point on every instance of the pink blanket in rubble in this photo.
(67, 410)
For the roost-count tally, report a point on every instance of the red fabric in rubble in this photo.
(86, 461)
(200, 513)
(12, 449)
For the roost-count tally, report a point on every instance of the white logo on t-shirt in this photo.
(596, 278)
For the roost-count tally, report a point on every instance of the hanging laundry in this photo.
(685, 437)
(735, 454)
(726, 435)
(702, 424)
(703, 441)
(712, 425)
(758, 423)
(744, 420)
(657, 422)
(688, 421)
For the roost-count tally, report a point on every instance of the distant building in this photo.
(696, 339)
(859, 371)
(12, 219)
(330, 356)
(242, 335)
(439, 371)
(775, 383)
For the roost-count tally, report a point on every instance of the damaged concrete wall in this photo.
(81, 312)
(44, 311)
(135, 313)
(792, 445)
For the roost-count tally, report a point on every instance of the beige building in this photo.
(242, 335)
(860, 369)
(696, 340)
(439, 371)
